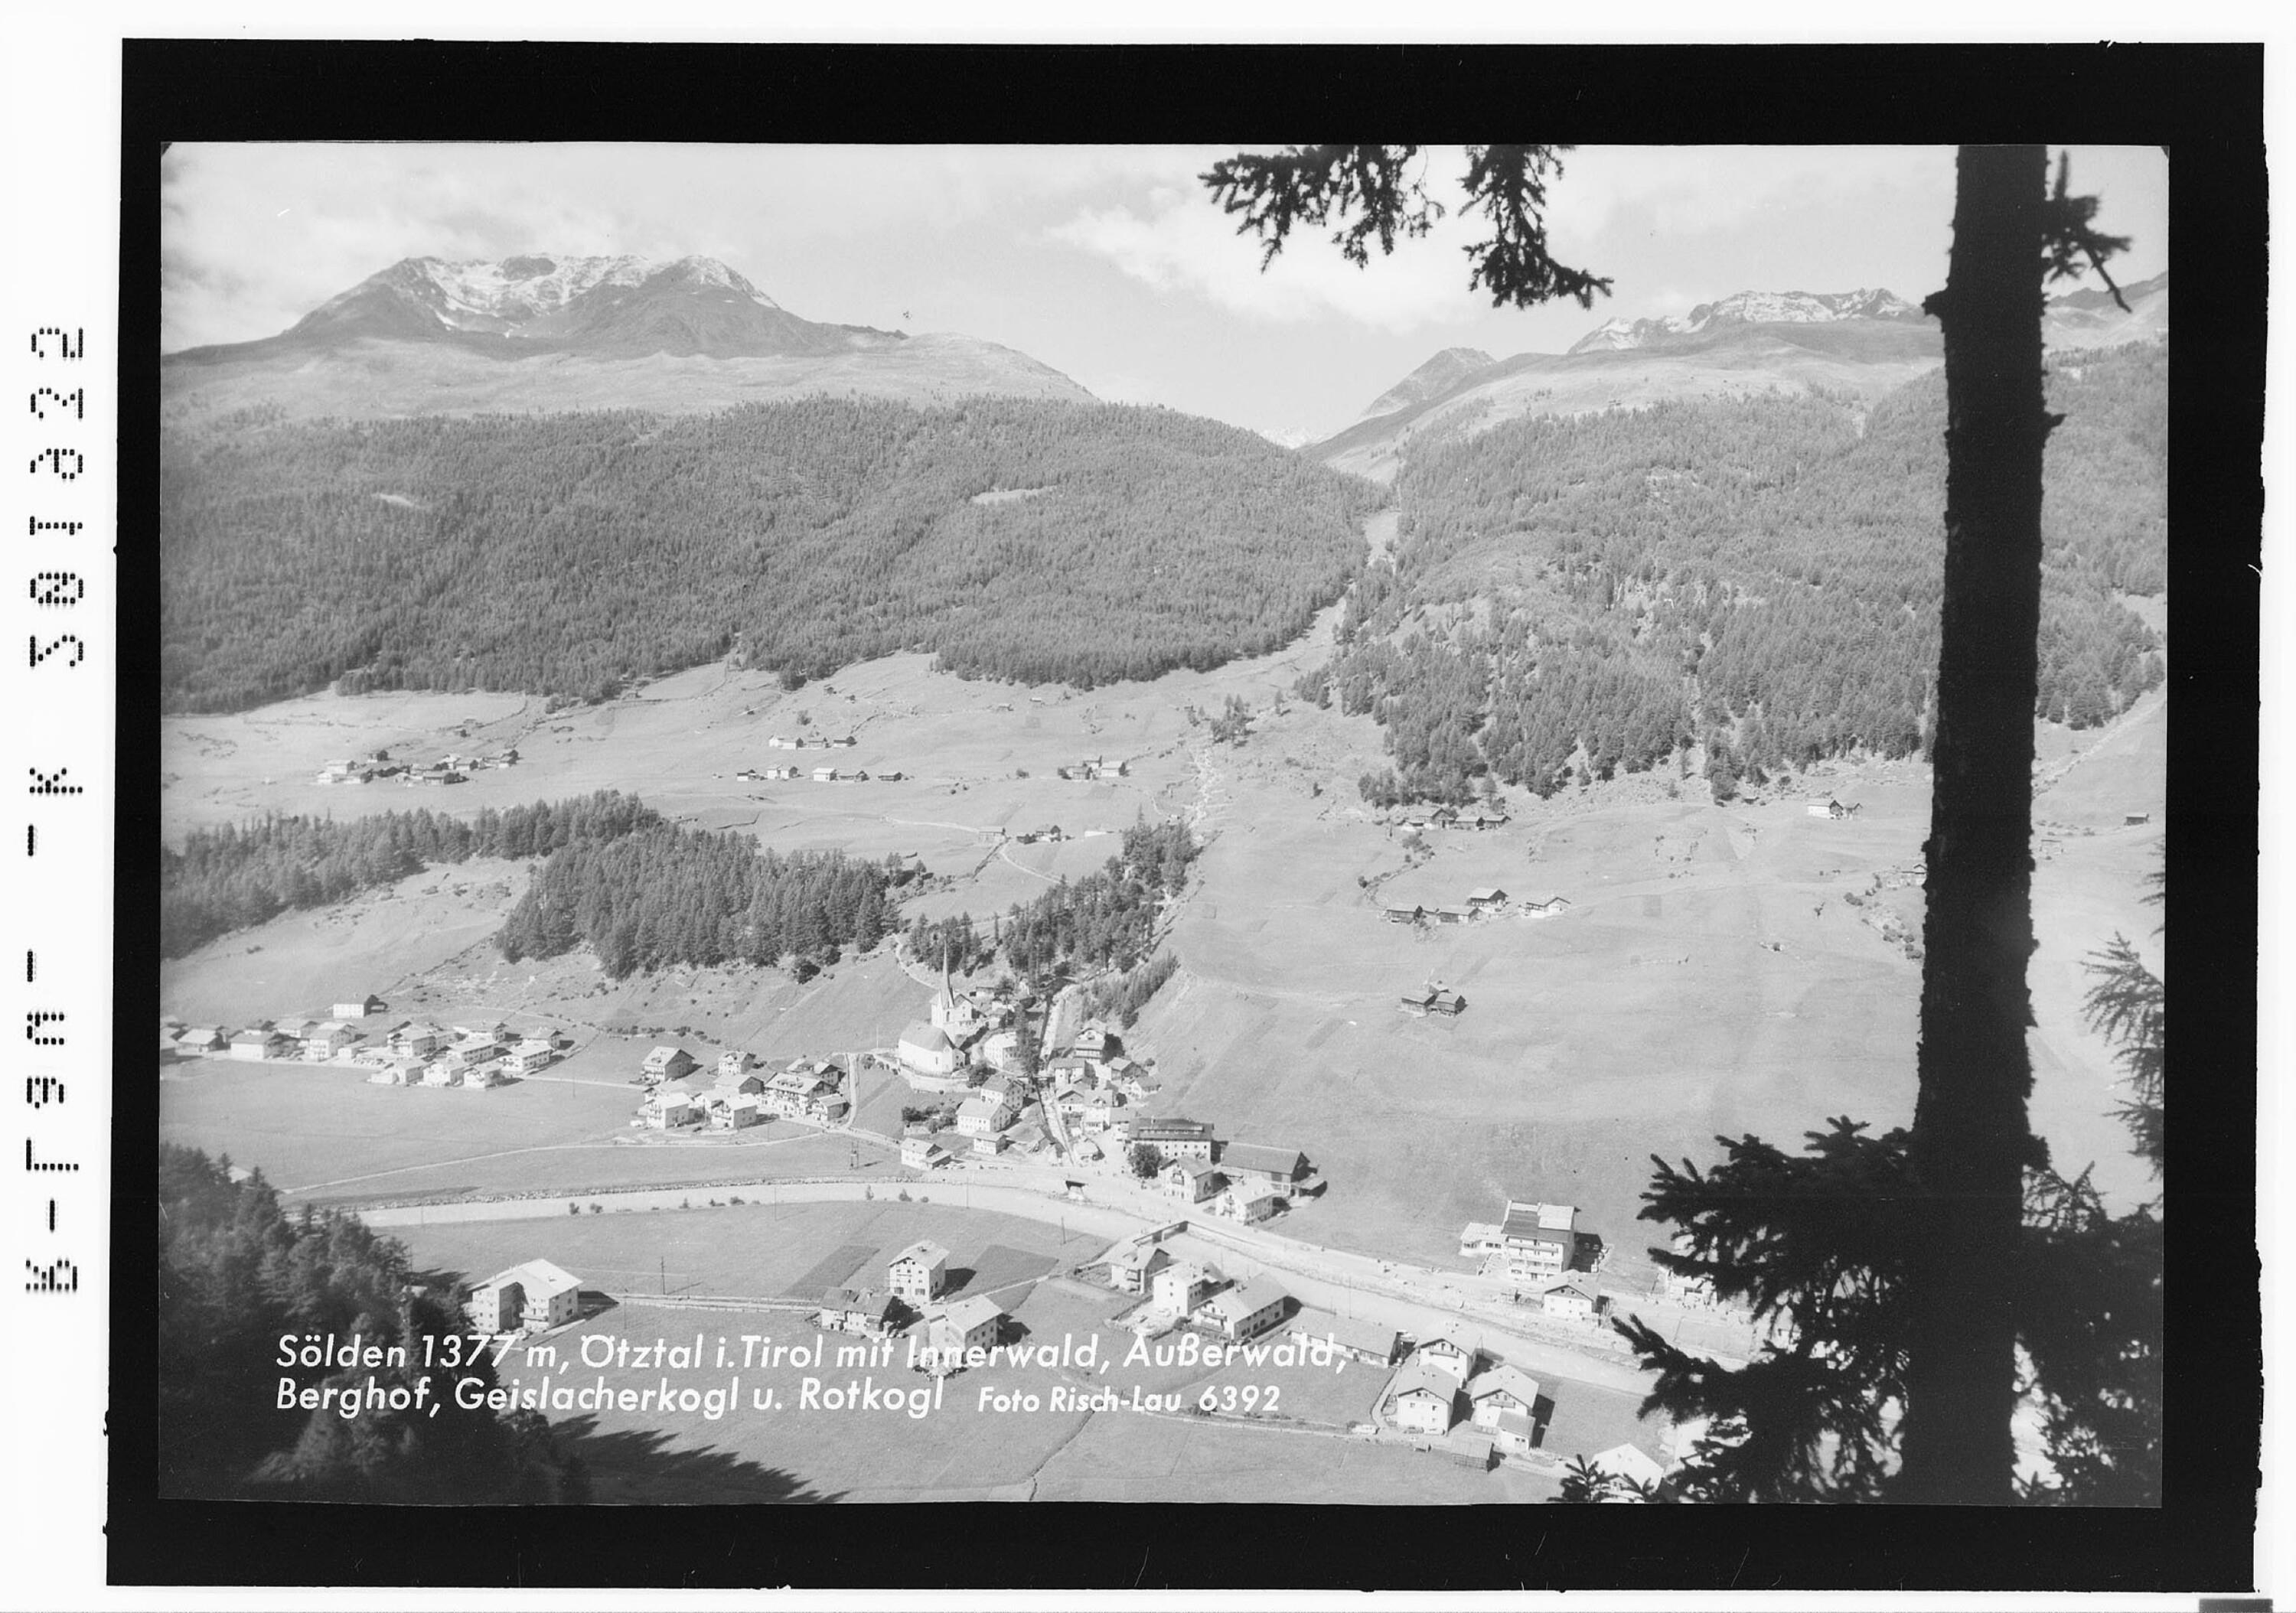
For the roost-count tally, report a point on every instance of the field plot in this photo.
(761, 1251)
(300, 962)
(304, 1125)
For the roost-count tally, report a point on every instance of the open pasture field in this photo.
(1712, 977)
(759, 1250)
(304, 1125)
(301, 962)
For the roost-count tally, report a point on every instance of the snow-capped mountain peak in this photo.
(1748, 308)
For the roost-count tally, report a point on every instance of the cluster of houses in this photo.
(406, 1054)
(1453, 1391)
(448, 769)
(1433, 998)
(1177, 1292)
(532, 1297)
(819, 775)
(812, 741)
(1481, 902)
(1095, 767)
(1542, 1251)
(916, 1284)
(1481, 815)
(1245, 1182)
(739, 1094)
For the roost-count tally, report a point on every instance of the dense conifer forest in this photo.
(1105, 920)
(562, 554)
(1760, 575)
(236, 1272)
(228, 878)
(666, 895)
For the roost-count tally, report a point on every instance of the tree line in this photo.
(1581, 597)
(235, 876)
(237, 1272)
(564, 555)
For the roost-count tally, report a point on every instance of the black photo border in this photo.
(2204, 102)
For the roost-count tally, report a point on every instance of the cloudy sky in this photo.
(1108, 262)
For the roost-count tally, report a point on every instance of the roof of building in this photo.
(1503, 1379)
(539, 1278)
(1263, 1158)
(856, 1299)
(1349, 1332)
(1191, 1168)
(929, 1037)
(1518, 1423)
(1454, 1334)
(1126, 1256)
(665, 1053)
(1486, 893)
(1536, 1224)
(1480, 1231)
(1573, 1282)
(1174, 1127)
(1244, 1299)
(1629, 1461)
(924, 1252)
(1416, 1378)
(979, 1108)
(970, 1312)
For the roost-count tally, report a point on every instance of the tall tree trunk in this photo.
(1971, 1138)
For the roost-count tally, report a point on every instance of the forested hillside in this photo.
(666, 895)
(237, 1274)
(1760, 575)
(562, 553)
(229, 878)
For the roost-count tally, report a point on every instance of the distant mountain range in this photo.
(1862, 344)
(552, 333)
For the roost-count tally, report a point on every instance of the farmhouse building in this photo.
(1422, 1399)
(1131, 1265)
(326, 1040)
(360, 1008)
(971, 1323)
(1453, 1350)
(919, 1273)
(1258, 1165)
(735, 1062)
(204, 1039)
(1245, 1204)
(1629, 1462)
(922, 1153)
(1572, 1297)
(418, 1041)
(1366, 1341)
(868, 1312)
(1179, 1287)
(1451, 915)
(1398, 913)
(1499, 1389)
(1177, 1138)
(1247, 1310)
(535, 1296)
(1191, 1181)
(257, 1045)
(1540, 1239)
(673, 1109)
(667, 1063)
(1487, 898)
(981, 1115)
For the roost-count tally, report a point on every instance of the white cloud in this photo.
(1686, 191)
(1182, 243)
